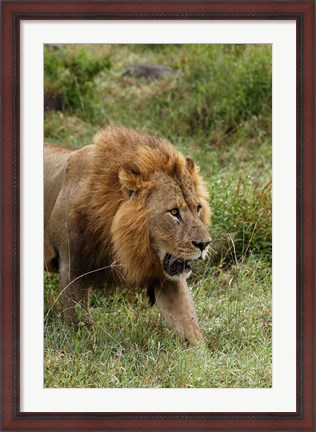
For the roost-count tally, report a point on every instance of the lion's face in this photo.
(177, 232)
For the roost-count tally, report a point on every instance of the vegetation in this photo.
(213, 102)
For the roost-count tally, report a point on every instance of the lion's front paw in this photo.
(193, 333)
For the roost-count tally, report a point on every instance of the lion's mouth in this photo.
(174, 265)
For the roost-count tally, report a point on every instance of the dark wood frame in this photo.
(15, 11)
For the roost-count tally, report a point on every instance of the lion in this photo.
(127, 210)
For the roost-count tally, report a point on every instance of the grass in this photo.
(214, 104)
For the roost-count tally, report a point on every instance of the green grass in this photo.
(215, 106)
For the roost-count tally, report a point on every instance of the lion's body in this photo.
(107, 206)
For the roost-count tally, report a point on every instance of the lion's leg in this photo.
(75, 298)
(175, 303)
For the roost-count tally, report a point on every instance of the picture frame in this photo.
(13, 13)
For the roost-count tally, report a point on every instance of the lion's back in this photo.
(55, 162)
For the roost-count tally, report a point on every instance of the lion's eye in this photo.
(175, 212)
(199, 208)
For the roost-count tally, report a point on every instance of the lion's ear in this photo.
(131, 180)
(190, 165)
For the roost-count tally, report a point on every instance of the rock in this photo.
(146, 71)
(52, 101)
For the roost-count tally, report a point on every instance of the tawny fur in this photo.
(106, 205)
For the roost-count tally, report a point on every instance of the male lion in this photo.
(131, 210)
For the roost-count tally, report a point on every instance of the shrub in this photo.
(241, 220)
(69, 76)
(226, 86)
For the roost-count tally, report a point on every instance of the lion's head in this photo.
(160, 225)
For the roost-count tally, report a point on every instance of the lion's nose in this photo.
(201, 245)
